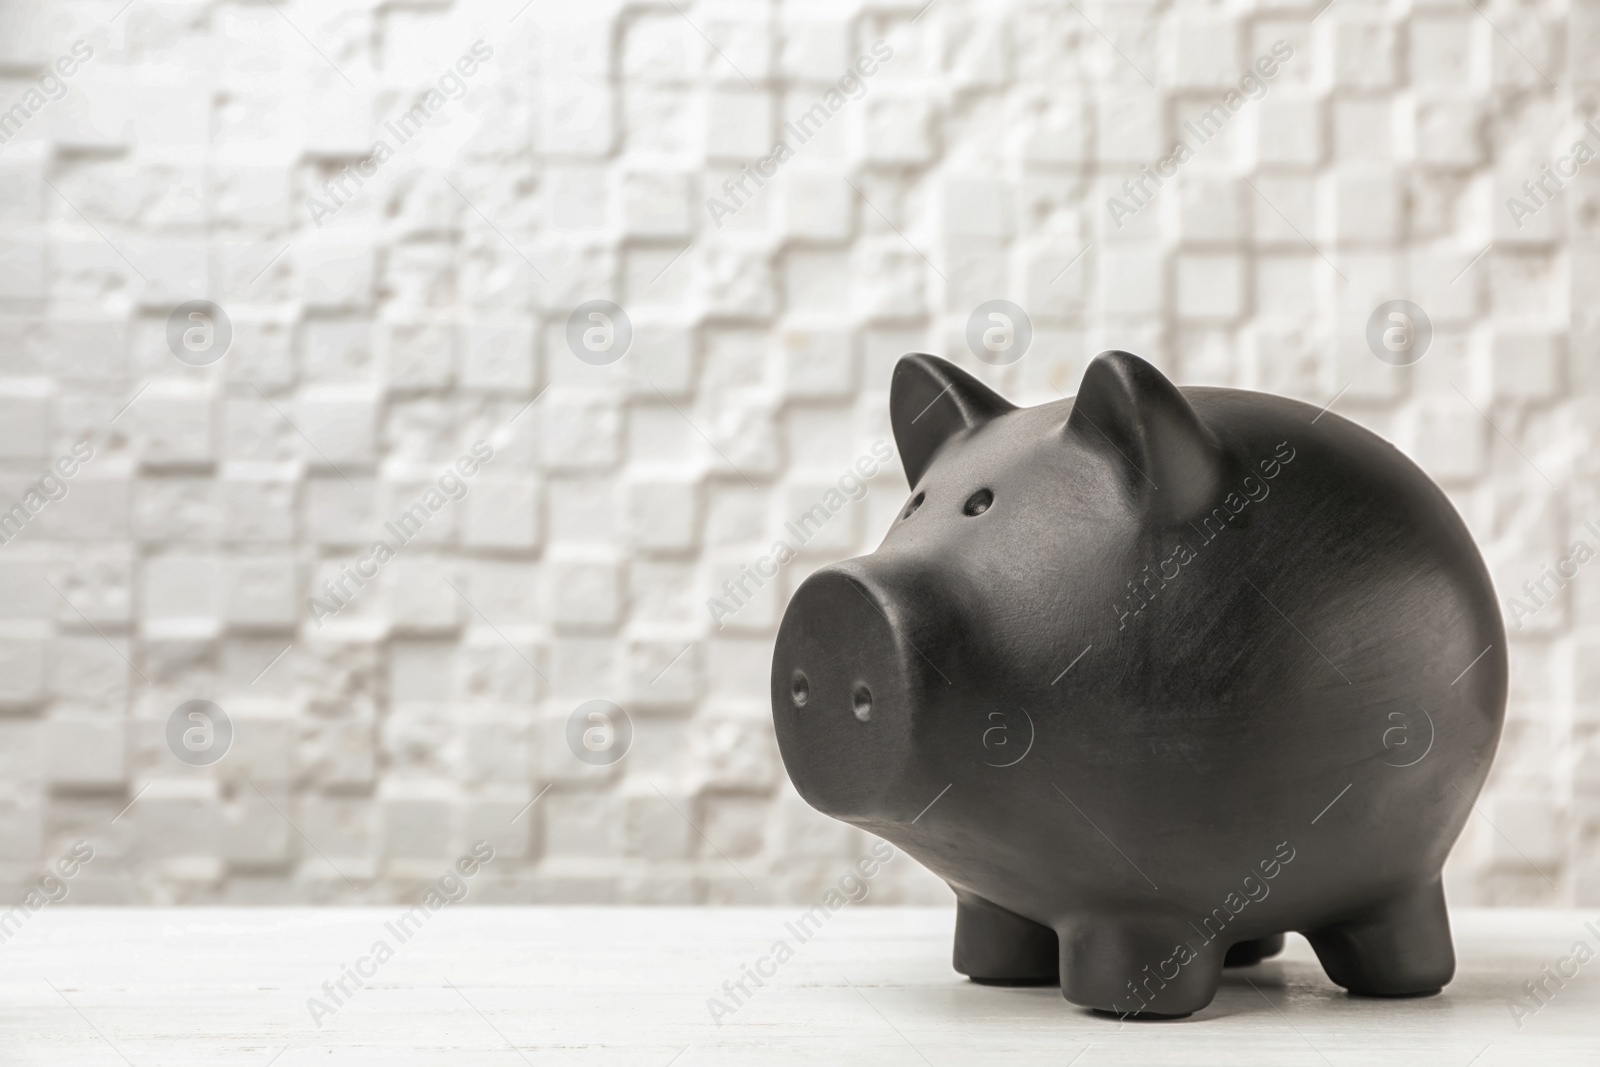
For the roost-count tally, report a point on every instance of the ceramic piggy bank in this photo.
(1151, 676)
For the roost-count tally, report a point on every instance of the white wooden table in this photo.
(630, 985)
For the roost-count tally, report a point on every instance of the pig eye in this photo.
(916, 502)
(978, 502)
(800, 689)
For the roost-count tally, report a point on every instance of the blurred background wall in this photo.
(373, 312)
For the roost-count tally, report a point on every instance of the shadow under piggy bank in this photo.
(1133, 671)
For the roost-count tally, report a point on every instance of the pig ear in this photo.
(1139, 421)
(932, 400)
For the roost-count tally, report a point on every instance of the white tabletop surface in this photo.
(630, 986)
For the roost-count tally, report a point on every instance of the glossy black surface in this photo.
(1152, 673)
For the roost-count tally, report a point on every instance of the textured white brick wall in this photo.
(373, 345)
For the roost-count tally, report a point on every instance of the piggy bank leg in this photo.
(1248, 953)
(998, 947)
(1398, 948)
(1138, 968)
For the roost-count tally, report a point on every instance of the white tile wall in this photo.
(373, 346)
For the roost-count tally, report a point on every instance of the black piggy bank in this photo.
(1150, 676)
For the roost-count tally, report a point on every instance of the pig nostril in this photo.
(916, 502)
(800, 689)
(978, 502)
(863, 701)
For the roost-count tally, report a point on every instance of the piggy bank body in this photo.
(1151, 676)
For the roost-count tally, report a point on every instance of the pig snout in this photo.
(847, 679)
